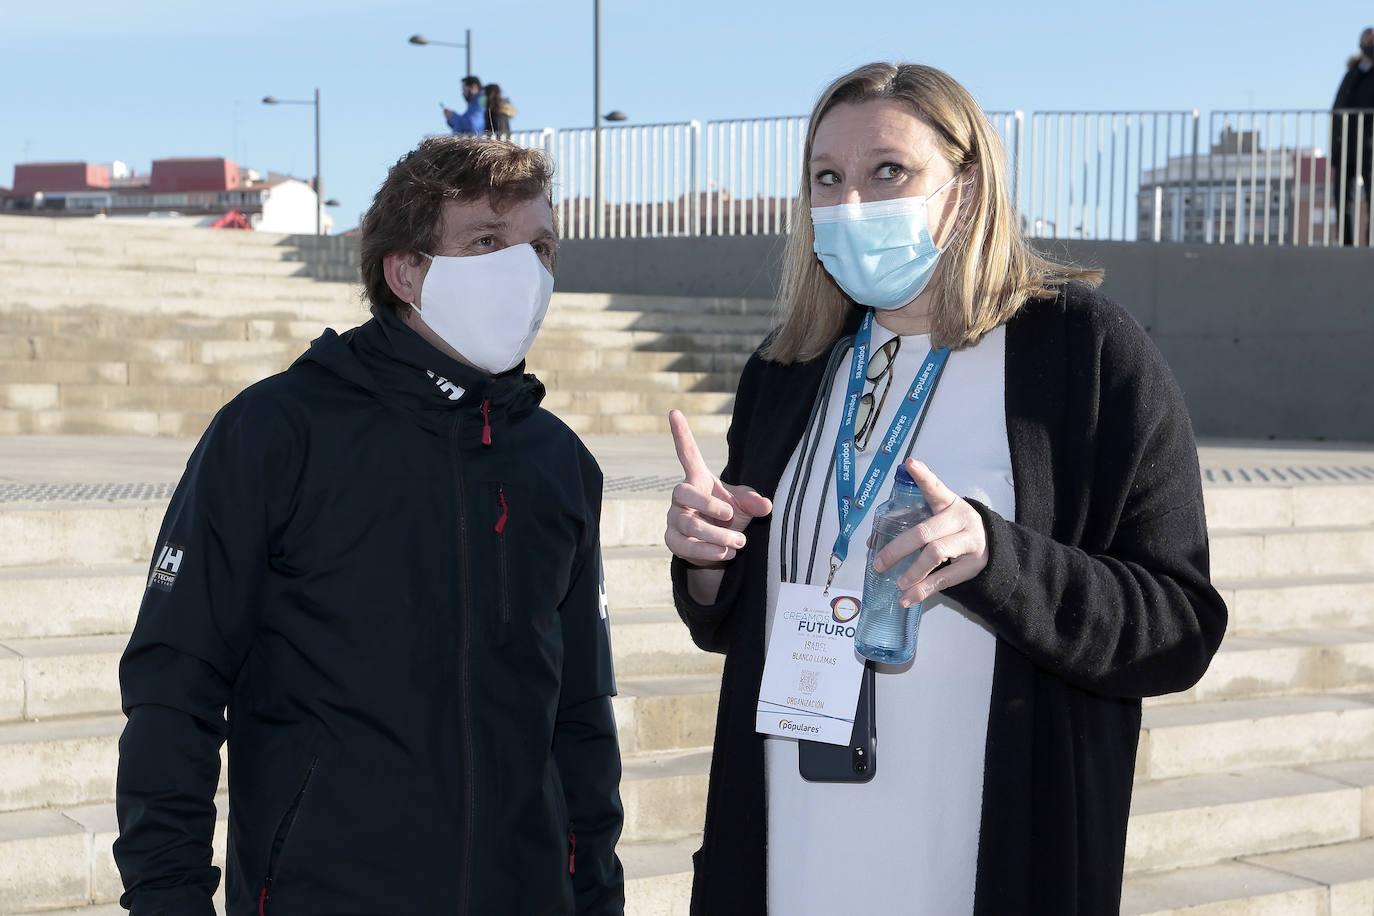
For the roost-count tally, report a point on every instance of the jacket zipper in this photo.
(288, 820)
(502, 568)
(464, 655)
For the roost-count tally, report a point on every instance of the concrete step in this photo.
(337, 311)
(52, 230)
(693, 305)
(1202, 820)
(79, 534)
(637, 576)
(112, 326)
(62, 857)
(37, 602)
(637, 381)
(1254, 506)
(553, 336)
(1337, 880)
(60, 676)
(103, 422)
(1298, 661)
(666, 713)
(1259, 606)
(639, 424)
(658, 876)
(1228, 736)
(692, 403)
(137, 270)
(1277, 553)
(664, 795)
(654, 641)
(157, 350)
(548, 358)
(58, 762)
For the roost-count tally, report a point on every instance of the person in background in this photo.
(499, 111)
(380, 580)
(1064, 572)
(472, 119)
(1352, 138)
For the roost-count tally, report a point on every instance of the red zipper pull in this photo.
(262, 903)
(486, 421)
(572, 853)
(505, 512)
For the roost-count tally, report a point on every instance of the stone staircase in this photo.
(120, 330)
(1255, 789)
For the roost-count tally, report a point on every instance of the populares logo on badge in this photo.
(164, 574)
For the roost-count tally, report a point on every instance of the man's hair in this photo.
(989, 270)
(471, 80)
(407, 212)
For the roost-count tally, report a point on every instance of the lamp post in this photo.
(466, 45)
(598, 204)
(319, 180)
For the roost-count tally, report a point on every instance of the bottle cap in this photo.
(904, 476)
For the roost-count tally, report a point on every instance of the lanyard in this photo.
(852, 508)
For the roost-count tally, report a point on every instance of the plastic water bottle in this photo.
(887, 631)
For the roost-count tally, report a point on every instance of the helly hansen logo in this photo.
(165, 569)
(454, 391)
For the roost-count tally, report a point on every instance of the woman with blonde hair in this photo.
(1064, 572)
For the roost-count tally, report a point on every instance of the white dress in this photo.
(907, 841)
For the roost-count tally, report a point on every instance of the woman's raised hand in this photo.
(706, 518)
(952, 544)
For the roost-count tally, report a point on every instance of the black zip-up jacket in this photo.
(385, 566)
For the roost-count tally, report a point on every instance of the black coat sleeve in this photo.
(585, 745)
(1124, 606)
(193, 631)
(711, 626)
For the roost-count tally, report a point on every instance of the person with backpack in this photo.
(499, 111)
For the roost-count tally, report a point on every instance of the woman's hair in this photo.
(987, 271)
(493, 91)
(406, 214)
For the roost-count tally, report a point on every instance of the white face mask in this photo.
(488, 307)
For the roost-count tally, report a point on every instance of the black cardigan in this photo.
(1098, 593)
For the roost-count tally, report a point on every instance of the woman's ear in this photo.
(405, 274)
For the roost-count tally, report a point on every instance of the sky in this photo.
(154, 79)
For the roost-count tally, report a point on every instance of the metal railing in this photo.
(1243, 177)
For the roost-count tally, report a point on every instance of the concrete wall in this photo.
(1266, 342)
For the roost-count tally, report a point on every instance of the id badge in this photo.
(811, 674)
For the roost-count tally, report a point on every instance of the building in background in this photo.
(205, 191)
(1241, 193)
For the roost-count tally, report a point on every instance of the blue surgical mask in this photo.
(880, 252)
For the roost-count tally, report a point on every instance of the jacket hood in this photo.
(386, 358)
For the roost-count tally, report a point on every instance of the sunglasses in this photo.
(879, 366)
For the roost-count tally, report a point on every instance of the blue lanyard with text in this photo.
(853, 508)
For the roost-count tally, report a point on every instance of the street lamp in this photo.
(466, 45)
(319, 180)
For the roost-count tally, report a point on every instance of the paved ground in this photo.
(106, 467)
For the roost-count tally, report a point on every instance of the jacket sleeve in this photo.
(711, 626)
(585, 745)
(1132, 612)
(194, 627)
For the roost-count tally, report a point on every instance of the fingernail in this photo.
(739, 541)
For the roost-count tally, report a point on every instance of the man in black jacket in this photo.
(1352, 137)
(380, 580)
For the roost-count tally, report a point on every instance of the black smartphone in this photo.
(856, 761)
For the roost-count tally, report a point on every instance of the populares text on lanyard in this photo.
(853, 507)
